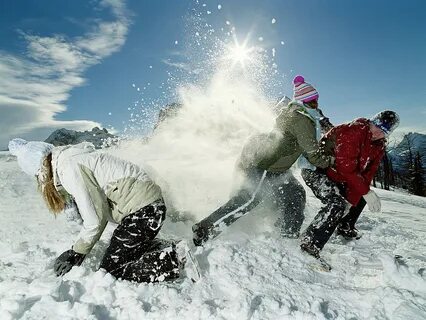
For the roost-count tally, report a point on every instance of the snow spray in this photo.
(192, 155)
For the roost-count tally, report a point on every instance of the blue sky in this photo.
(73, 64)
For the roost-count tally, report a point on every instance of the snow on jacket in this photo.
(104, 188)
(295, 133)
(357, 157)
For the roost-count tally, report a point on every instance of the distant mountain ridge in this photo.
(99, 137)
(399, 153)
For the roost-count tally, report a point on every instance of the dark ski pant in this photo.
(351, 218)
(281, 188)
(330, 215)
(133, 253)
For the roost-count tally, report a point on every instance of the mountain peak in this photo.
(99, 137)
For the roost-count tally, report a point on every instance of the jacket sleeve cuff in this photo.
(82, 247)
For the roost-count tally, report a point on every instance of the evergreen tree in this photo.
(386, 171)
(417, 183)
(407, 163)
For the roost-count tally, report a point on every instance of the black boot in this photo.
(310, 249)
(202, 233)
(348, 232)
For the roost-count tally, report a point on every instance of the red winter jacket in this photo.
(357, 157)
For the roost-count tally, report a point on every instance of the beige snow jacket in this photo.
(104, 188)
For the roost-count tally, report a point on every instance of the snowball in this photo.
(219, 6)
(273, 20)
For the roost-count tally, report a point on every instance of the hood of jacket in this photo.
(68, 151)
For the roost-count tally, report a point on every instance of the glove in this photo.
(325, 124)
(373, 201)
(66, 261)
(320, 170)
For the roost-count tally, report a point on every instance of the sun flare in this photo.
(239, 53)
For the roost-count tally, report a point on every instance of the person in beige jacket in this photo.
(104, 188)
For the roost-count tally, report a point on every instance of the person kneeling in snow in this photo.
(358, 148)
(104, 189)
(265, 162)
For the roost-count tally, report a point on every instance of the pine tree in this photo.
(384, 174)
(386, 171)
(417, 183)
(407, 163)
(392, 178)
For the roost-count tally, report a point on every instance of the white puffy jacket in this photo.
(105, 188)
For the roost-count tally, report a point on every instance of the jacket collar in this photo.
(55, 155)
(84, 147)
(313, 114)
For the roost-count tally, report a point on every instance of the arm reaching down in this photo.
(67, 260)
(91, 201)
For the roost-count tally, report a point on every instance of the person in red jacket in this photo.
(358, 148)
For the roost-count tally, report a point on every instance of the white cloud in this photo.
(181, 65)
(35, 88)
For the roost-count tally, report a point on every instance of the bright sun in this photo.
(239, 53)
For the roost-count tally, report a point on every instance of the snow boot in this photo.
(202, 233)
(348, 232)
(313, 251)
(310, 249)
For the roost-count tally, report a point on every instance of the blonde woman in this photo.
(104, 189)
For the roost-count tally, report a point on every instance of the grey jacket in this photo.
(294, 134)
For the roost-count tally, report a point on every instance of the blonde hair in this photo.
(53, 199)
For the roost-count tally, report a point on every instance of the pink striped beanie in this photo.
(304, 91)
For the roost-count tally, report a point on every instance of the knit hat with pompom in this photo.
(304, 91)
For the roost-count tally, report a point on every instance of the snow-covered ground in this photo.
(249, 273)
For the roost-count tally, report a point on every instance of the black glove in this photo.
(66, 261)
(321, 170)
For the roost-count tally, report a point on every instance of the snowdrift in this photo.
(248, 272)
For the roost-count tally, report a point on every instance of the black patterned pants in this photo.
(135, 255)
(331, 213)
